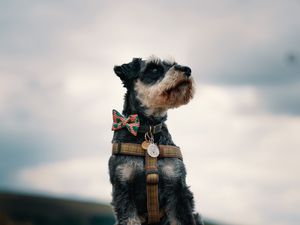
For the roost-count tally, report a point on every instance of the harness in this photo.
(150, 151)
(152, 178)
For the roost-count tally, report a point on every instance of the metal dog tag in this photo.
(145, 145)
(153, 150)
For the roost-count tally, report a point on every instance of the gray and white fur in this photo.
(153, 86)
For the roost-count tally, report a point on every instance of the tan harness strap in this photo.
(152, 189)
(165, 151)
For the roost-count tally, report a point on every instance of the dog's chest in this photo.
(134, 169)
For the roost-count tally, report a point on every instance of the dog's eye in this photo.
(154, 70)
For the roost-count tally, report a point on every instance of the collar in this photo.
(149, 128)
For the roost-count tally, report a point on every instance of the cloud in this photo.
(50, 119)
(282, 99)
(87, 176)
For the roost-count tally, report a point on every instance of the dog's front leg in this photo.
(124, 206)
(122, 174)
(180, 207)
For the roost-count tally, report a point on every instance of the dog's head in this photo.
(157, 85)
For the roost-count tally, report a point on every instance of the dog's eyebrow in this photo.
(153, 59)
(169, 62)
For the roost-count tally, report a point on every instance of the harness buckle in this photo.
(152, 178)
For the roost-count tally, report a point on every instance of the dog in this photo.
(153, 86)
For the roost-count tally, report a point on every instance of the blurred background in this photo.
(240, 142)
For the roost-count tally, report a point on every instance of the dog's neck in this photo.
(133, 106)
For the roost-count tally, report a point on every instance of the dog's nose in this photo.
(186, 70)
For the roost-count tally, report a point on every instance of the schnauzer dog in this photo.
(153, 86)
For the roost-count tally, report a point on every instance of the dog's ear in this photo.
(128, 71)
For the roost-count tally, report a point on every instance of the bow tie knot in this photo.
(131, 122)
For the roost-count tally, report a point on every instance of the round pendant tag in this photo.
(145, 145)
(153, 150)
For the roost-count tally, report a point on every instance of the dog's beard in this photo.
(171, 92)
(179, 94)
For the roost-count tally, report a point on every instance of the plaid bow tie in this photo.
(132, 122)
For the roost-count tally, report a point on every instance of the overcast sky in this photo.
(241, 143)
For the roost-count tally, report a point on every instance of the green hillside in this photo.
(20, 209)
(17, 209)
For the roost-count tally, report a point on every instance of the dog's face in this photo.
(159, 84)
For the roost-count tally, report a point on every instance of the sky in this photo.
(239, 135)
